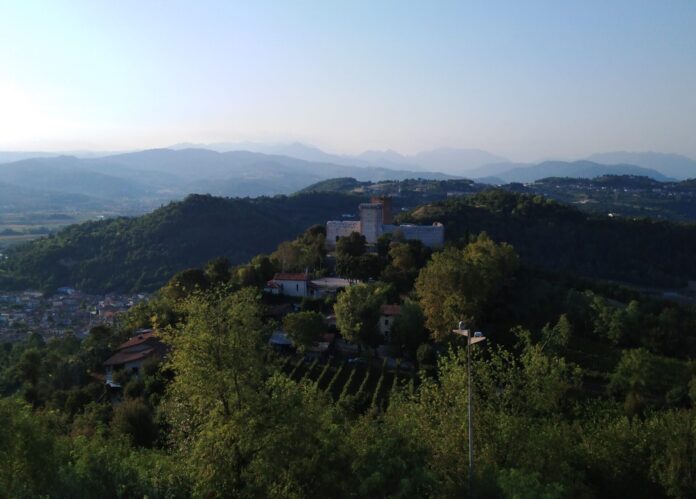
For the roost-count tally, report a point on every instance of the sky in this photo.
(527, 80)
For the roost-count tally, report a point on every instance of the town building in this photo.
(376, 219)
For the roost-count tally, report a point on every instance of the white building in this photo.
(375, 220)
(301, 285)
(289, 284)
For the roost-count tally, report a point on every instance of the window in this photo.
(297, 287)
(386, 322)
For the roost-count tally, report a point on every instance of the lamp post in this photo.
(477, 337)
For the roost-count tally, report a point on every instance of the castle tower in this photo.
(386, 202)
(371, 221)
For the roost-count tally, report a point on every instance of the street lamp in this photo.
(477, 337)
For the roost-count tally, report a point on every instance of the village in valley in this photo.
(65, 312)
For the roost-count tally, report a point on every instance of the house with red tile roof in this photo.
(132, 354)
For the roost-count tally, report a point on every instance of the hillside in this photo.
(673, 165)
(575, 169)
(559, 238)
(165, 174)
(144, 252)
(625, 196)
(621, 195)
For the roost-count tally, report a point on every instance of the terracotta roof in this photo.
(123, 357)
(290, 277)
(136, 340)
(390, 310)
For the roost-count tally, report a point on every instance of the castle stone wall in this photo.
(340, 228)
(432, 236)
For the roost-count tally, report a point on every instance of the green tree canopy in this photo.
(304, 328)
(457, 284)
(357, 313)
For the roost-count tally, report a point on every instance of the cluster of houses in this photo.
(66, 311)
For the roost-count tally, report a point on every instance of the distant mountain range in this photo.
(503, 174)
(672, 165)
(159, 175)
(145, 179)
(470, 163)
(454, 161)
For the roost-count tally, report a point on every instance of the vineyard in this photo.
(369, 387)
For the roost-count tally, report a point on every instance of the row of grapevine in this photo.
(339, 380)
(307, 375)
(346, 385)
(378, 388)
(336, 375)
(297, 366)
(364, 382)
(322, 374)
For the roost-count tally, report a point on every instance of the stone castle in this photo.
(376, 219)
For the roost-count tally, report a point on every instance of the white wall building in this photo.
(375, 220)
(300, 285)
(289, 284)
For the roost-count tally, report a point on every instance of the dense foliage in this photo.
(142, 253)
(582, 388)
(559, 238)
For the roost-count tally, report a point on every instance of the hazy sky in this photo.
(523, 79)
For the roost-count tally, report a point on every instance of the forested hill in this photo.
(560, 238)
(143, 253)
(623, 195)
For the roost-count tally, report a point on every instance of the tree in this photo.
(241, 429)
(27, 452)
(288, 257)
(216, 356)
(408, 331)
(352, 261)
(217, 271)
(357, 314)
(184, 283)
(633, 379)
(133, 418)
(352, 245)
(403, 267)
(457, 284)
(218, 364)
(555, 339)
(304, 328)
(29, 366)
